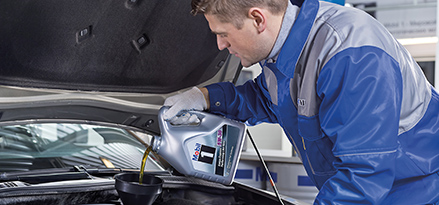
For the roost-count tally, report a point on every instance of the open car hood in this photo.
(103, 62)
(110, 63)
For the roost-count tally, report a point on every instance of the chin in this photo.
(248, 64)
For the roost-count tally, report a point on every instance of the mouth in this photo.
(236, 54)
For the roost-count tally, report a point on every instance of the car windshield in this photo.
(43, 146)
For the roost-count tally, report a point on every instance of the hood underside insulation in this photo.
(152, 46)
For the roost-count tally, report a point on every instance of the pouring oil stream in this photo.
(144, 159)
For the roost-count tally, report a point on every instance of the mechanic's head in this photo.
(235, 11)
(247, 28)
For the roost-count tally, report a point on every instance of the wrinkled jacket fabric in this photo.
(354, 104)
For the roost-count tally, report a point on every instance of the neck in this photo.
(274, 30)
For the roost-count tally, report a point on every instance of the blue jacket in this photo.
(354, 104)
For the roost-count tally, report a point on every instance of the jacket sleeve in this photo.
(244, 103)
(361, 92)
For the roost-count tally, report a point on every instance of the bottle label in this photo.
(221, 151)
(203, 153)
(215, 153)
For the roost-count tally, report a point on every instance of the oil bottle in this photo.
(209, 150)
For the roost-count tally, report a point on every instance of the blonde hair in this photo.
(235, 11)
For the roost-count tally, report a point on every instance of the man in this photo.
(352, 101)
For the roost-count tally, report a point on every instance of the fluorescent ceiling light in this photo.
(414, 41)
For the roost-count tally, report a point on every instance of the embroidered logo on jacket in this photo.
(301, 102)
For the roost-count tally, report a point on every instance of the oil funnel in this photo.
(133, 193)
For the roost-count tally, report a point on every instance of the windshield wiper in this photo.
(34, 178)
(58, 174)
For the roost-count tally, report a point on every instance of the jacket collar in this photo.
(290, 52)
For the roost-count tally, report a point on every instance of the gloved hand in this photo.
(192, 99)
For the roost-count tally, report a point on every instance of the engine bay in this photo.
(101, 190)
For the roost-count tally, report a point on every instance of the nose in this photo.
(222, 43)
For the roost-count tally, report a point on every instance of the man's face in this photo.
(245, 43)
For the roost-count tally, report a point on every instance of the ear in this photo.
(259, 18)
